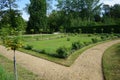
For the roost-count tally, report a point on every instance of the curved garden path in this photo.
(86, 67)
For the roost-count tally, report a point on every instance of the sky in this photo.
(21, 5)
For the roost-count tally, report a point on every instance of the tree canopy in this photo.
(37, 10)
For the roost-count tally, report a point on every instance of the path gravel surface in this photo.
(86, 67)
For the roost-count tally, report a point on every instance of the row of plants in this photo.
(5, 75)
(94, 29)
(42, 37)
(64, 52)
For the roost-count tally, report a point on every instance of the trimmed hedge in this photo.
(95, 29)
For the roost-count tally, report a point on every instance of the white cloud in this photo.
(111, 2)
(25, 16)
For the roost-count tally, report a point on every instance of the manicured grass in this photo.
(23, 74)
(66, 62)
(111, 63)
(50, 46)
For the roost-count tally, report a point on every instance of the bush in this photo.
(94, 40)
(62, 52)
(28, 47)
(86, 43)
(77, 45)
(68, 39)
(89, 35)
(118, 35)
(103, 37)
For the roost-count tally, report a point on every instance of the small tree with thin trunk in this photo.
(13, 42)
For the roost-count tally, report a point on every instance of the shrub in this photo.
(103, 37)
(28, 47)
(89, 35)
(94, 40)
(118, 35)
(107, 35)
(76, 45)
(62, 52)
(86, 43)
(68, 39)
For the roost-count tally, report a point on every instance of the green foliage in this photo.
(68, 39)
(28, 47)
(103, 38)
(111, 63)
(62, 52)
(77, 45)
(95, 29)
(16, 21)
(5, 75)
(84, 9)
(118, 35)
(115, 11)
(94, 40)
(12, 42)
(87, 43)
(56, 41)
(4, 32)
(37, 20)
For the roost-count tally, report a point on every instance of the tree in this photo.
(16, 22)
(106, 9)
(83, 8)
(111, 14)
(10, 15)
(11, 24)
(55, 20)
(115, 11)
(11, 42)
(79, 12)
(37, 10)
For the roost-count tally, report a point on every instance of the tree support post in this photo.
(15, 68)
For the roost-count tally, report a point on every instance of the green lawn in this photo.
(111, 63)
(23, 74)
(50, 46)
(4, 75)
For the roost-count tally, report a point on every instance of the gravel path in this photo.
(86, 67)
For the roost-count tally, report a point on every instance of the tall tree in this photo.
(115, 11)
(85, 8)
(37, 10)
(9, 6)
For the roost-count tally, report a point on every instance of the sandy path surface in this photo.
(86, 67)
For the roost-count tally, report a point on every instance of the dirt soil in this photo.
(86, 67)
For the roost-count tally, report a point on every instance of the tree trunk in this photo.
(15, 68)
